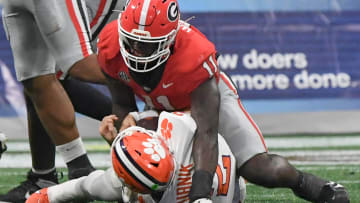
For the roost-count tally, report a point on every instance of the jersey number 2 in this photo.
(223, 188)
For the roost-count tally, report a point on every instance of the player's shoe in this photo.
(333, 192)
(39, 196)
(33, 183)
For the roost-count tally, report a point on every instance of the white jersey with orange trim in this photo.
(178, 129)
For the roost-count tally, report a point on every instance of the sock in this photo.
(49, 175)
(43, 171)
(309, 186)
(80, 162)
(74, 154)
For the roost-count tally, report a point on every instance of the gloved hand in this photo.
(3, 146)
(128, 195)
(203, 200)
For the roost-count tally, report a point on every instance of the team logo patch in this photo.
(173, 11)
(123, 76)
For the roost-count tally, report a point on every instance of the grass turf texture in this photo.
(347, 175)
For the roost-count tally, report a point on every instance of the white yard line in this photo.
(306, 142)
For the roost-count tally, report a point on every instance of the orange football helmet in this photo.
(147, 28)
(143, 160)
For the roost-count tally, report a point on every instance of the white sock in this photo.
(71, 150)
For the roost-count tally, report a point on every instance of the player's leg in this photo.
(36, 69)
(31, 59)
(42, 150)
(99, 185)
(87, 99)
(253, 161)
(68, 40)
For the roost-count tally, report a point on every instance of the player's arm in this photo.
(123, 100)
(205, 102)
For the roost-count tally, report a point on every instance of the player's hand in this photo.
(128, 195)
(107, 128)
(203, 200)
(128, 121)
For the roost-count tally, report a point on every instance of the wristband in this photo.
(135, 115)
(201, 185)
(141, 115)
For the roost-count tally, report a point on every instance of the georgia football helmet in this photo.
(142, 159)
(147, 28)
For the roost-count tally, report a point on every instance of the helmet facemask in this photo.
(143, 53)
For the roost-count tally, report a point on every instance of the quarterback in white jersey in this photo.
(169, 177)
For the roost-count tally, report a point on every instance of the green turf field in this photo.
(336, 158)
(348, 175)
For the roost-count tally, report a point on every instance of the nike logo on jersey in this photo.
(167, 85)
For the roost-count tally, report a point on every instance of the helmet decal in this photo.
(153, 147)
(173, 11)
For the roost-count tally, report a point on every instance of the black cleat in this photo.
(32, 183)
(333, 192)
(79, 172)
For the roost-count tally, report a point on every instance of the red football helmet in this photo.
(147, 28)
(143, 160)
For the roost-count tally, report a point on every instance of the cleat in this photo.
(39, 196)
(33, 183)
(79, 172)
(333, 192)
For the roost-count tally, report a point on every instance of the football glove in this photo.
(3, 146)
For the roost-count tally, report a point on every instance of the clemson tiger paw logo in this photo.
(154, 149)
(166, 128)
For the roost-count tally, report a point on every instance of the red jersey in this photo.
(191, 63)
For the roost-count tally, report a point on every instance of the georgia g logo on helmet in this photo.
(173, 11)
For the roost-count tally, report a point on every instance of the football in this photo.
(149, 123)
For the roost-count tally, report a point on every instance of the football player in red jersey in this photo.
(170, 65)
